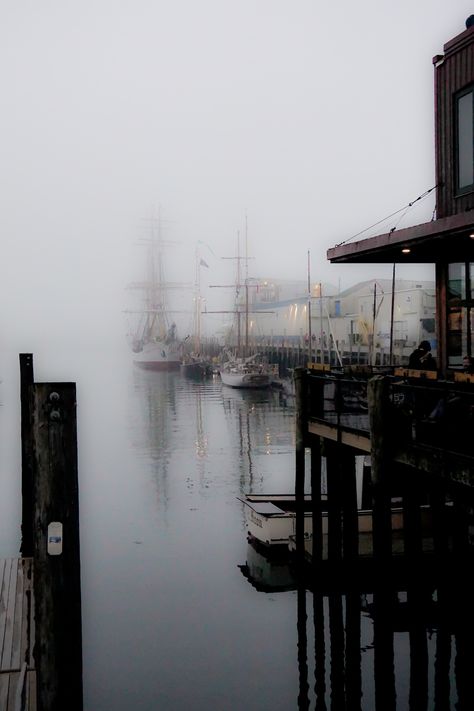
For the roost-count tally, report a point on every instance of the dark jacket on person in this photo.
(421, 358)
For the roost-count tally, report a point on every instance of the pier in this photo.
(17, 635)
(414, 457)
(40, 593)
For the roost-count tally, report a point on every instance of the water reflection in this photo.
(401, 643)
(407, 665)
(196, 618)
(267, 573)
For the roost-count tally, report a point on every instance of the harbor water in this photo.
(180, 612)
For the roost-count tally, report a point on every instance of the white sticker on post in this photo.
(55, 538)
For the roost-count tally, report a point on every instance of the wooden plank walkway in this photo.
(17, 635)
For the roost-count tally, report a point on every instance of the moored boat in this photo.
(154, 341)
(271, 519)
(245, 375)
(159, 353)
(195, 367)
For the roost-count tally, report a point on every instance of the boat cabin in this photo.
(448, 240)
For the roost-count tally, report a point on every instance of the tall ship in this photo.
(154, 339)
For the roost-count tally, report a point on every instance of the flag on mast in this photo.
(202, 263)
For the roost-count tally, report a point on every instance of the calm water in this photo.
(179, 612)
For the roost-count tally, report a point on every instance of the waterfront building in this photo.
(447, 241)
(416, 426)
(344, 320)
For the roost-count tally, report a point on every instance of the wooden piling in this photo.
(412, 528)
(58, 652)
(380, 449)
(334, 485)
(350, 526)
(27, 476)
(317, 521)
(300, 425)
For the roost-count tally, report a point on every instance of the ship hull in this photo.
(158, 356)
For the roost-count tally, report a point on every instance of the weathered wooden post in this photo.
(412, 527)
(334, 501)
(27, 481)
(377, 395)
(300, 428)
(316, 514)
(350, 526)
(57, 587)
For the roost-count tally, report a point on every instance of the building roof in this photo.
(444, 240)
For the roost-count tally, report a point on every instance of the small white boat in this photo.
(247, 373)
(365, 527)
(271, 519)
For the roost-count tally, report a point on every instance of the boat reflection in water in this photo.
(267, 573)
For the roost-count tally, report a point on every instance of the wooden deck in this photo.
(17, 635)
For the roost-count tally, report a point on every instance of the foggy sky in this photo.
(312, 119)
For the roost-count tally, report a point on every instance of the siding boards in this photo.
(452, 75)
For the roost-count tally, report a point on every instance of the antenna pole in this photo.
(392, 310)
(246, 291)
(309, 310)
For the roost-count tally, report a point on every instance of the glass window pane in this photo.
(465, 141)
(456, 283)
(458, 314)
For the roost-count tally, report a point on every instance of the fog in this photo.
(310, 121)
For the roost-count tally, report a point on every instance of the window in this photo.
(460, 312)
(464, 123)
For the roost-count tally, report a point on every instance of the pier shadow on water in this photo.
(397, 642)
(386, 646)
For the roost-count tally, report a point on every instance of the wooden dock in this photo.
(17, 635)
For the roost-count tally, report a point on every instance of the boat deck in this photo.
(17, 635)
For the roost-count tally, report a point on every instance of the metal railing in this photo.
(435, 413)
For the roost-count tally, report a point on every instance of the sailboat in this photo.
(155, 343)
(244, 371)
(193, 364)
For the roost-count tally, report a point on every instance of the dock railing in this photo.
(421, 411)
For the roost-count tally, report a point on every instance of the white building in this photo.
(347, 320)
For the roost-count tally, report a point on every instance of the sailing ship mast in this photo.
(197, 302)
(237, 310)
